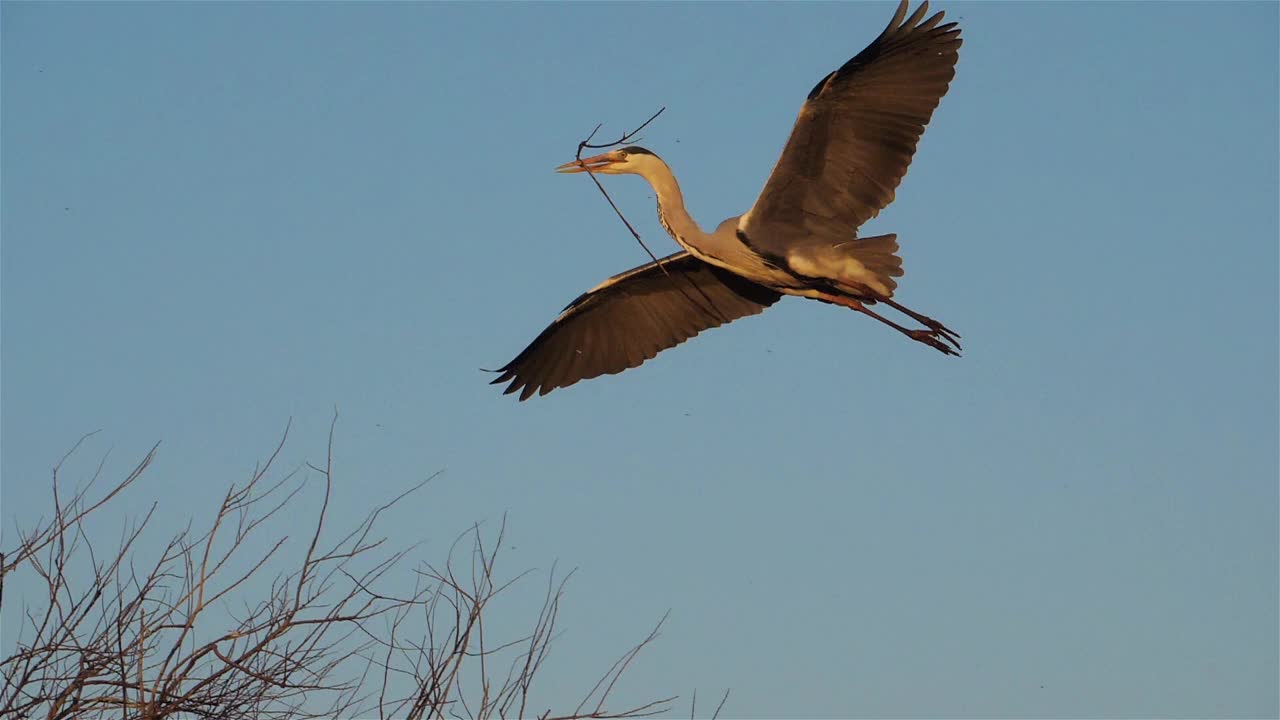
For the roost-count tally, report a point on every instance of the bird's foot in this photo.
(940, 330)
(934, 338)
(937, 329)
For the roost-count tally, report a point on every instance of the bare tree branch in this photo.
(199, 626)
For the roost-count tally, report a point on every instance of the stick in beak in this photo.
(591, 163)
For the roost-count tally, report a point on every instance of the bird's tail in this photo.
(876, 263)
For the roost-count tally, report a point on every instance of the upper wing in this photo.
(630, 318)
(855, 136)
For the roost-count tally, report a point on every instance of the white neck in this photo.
(671, 211)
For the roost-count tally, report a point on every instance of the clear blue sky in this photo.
(220, 216)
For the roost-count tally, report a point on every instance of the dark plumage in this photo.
(630, 318)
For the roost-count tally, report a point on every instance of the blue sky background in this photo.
(217, 217)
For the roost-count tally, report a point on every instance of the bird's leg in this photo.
(945, 332)
(928, 337)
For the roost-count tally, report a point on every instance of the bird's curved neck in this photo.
(672, 214)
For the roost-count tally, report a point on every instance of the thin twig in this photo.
(715, 715)
(627, 137)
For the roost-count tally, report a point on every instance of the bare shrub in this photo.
(122, 636)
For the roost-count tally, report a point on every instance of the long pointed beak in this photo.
(592, 163)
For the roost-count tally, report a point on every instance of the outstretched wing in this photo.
(630, 318)
(855, 136)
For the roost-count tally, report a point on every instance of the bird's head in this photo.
(632, 160)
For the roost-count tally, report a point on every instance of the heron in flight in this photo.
(847, 153)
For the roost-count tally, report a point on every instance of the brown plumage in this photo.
(630, 318)
(855, 136)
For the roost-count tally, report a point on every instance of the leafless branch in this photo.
(720, 707)
(198, 626)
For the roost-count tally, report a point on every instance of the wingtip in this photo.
(897, 17)
(917, 15)
(905, 21)
(512, 388)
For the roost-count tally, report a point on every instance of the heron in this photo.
(849, 149)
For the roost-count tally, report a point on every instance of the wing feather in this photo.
(630, 318)
(855, 136)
